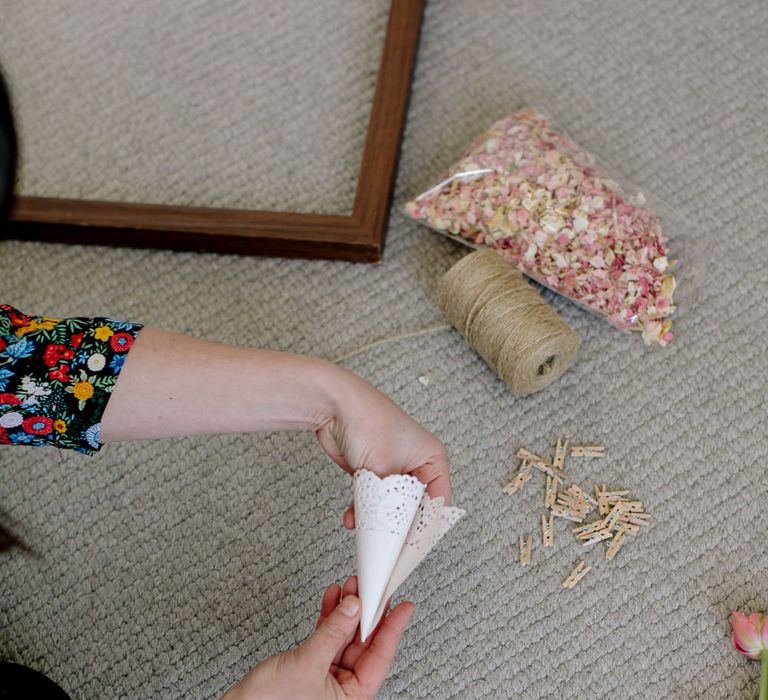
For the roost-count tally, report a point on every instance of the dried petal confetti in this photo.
(530, 192)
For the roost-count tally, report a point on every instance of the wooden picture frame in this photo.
(359, 237)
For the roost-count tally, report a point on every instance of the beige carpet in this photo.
(165, 570)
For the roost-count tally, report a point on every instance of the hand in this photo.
(369, 430)
(331, 664)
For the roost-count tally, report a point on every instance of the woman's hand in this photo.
(369, 430)
(331, 664)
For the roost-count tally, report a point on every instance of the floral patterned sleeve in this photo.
(56, 376)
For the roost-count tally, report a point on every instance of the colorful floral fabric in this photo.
(56, 376)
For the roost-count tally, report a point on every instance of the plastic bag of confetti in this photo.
(526, 189)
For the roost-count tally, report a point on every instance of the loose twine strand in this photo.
(392, 339)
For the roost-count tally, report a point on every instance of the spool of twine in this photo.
(506, 321)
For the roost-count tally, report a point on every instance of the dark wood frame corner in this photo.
(359, 237)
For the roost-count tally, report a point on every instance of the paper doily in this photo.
(386, 505)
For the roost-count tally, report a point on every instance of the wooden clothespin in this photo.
(584, 532)
(561, 512)
(627, 528)
(525, 549)
(607, 499)
(576, 501)
(612, 518)
(550, 496)
(633, 506)
(561, 450)
(618, 540)
(636, 518)
(602, 500)
(583, 495)
(576, 575)
(523, 476)
(540, 463)
(599, 536)
(588, 451)
(547, 530)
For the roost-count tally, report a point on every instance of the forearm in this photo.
(175, 385)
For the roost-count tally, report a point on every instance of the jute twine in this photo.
(506, 321)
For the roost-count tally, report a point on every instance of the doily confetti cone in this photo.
(397, 525)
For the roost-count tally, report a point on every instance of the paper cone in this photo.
(397, 525)
(431, 522)
(384, 511)
(377, 554)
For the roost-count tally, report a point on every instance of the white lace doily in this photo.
(386, 505)
(431, 522)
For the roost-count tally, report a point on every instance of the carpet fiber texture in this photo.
(167, 569)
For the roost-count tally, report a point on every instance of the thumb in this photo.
(333, 634)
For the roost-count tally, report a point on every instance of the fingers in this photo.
(350, 586)
(373, 665)
(349, 517)
(353, 652)
(328, 443)
(440, 486)
(330, 601)
(332, 634)
(436, 476)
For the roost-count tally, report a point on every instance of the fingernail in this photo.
(350, 605)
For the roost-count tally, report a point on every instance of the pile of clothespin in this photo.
(622, 516)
